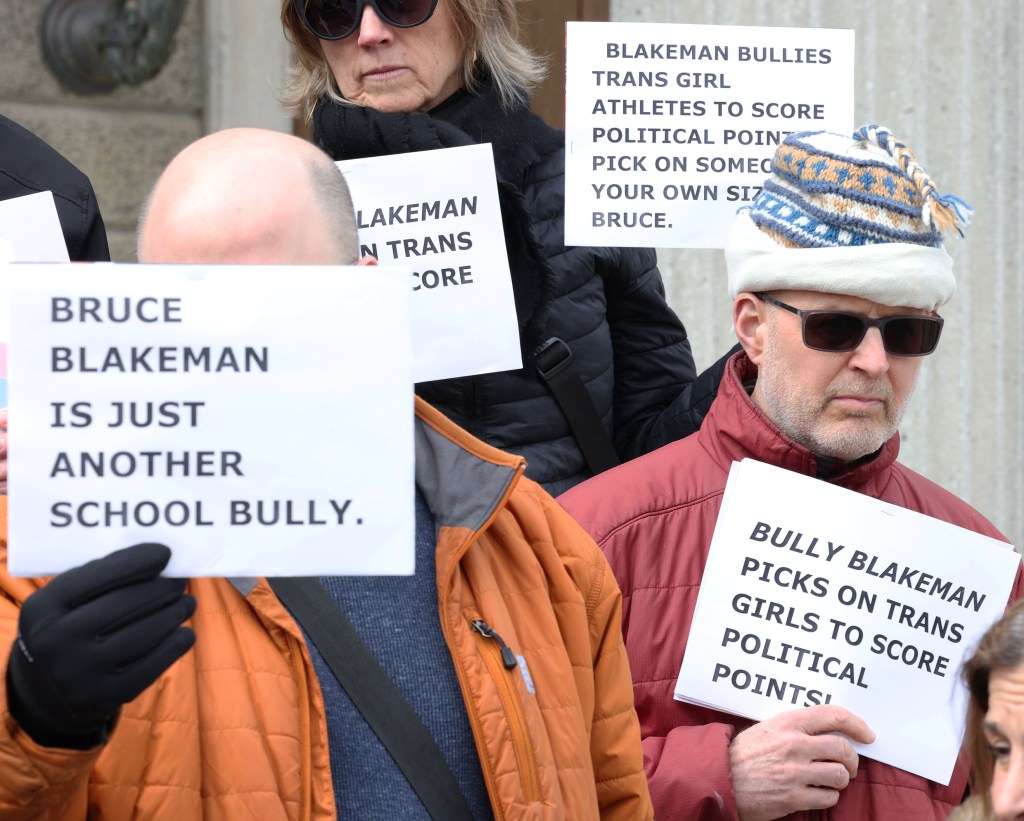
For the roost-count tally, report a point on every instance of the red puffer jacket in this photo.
(654, 518)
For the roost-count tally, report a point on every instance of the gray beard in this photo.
(800, 417)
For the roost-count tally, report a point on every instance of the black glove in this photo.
(93, 639)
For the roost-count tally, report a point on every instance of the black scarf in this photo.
(519, 140)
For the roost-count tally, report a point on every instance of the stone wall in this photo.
(121, 140)
(225, 69)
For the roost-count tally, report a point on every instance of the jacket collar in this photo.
(464, 480)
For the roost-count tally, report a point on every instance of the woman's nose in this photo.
(372, 29)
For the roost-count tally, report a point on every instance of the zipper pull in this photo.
(508, 658)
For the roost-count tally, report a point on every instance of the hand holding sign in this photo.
(135, 391)
(93, 639)
(792, 762)
(853, 602)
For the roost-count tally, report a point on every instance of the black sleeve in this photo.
(659, 397)
(28, 165)
(685, 415)
(84, 232)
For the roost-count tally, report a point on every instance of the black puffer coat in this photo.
(28, 165)
(607, 304)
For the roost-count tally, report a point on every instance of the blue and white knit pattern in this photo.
(857, 216)
(820, 198)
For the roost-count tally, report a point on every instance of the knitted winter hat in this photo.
(860, 218)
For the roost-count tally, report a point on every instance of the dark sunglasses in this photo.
(337, 19)
(839, 331)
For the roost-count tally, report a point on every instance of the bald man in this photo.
(129, 695)
(224, 200)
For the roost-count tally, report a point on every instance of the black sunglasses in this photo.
(839, 331)
(337, 19)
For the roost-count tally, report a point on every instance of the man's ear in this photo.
(749, 319)
(367, 260)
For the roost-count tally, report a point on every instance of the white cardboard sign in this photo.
(815, 594)
(671, 128)
(235, 413)
(31, 225)
(438, 213)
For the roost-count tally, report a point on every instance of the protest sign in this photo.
(671, 128)
(31, 225)
(235, 413)
(813, 594)
(438, 213)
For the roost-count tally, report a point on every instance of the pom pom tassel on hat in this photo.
(946, 213)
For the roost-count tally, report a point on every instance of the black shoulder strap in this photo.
(555, 365)
(375, 695)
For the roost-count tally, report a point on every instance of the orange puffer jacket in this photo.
(236, 728)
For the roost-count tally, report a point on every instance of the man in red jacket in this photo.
(837, 270)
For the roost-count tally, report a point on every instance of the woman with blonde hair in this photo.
(379, 77)
(995, 722)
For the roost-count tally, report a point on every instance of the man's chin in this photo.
(849, 443)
